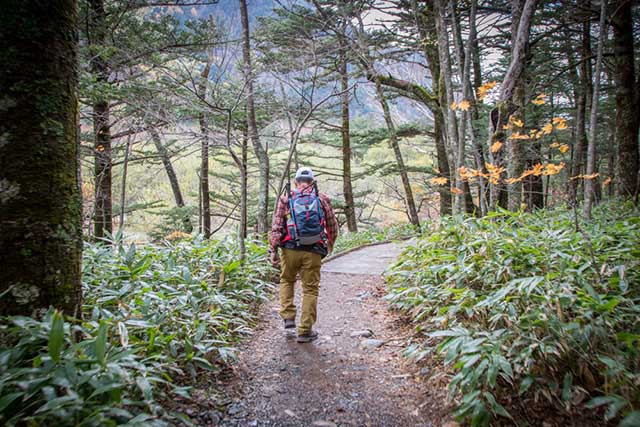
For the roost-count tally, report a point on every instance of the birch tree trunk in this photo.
(589, 185)
(261, 153)
(40, 201)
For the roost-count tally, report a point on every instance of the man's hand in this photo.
(274, 258)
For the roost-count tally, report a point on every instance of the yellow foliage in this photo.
(540, 99)
(564, 148)
(555, 144)
(454, 105)
(516, 122)
(607, 181)
(546, 129)
(464, 105)
(455, 190)
(518, 135)
(496, 147)
(552, 169)
(177, 235)
(559, 123)
(484, 89)
(438, 180)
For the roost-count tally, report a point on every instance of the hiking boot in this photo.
(289, 323)
(307, 337)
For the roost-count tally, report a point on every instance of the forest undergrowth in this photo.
(529, 311)
(153, 317)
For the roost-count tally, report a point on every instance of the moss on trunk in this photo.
(40, 205)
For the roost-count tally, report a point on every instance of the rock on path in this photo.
(340, 379)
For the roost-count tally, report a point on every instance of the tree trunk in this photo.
(427, 30)
(589, 185)
(515, 151)
(455, 140)
(123, 190)
(204, 159)
(349, 207)
(412, 213)
(101, 126)
(243, 188)
(582, 100)
(40, 201)
(171, 174)
(500, 114)
(261, 153)
(627, 108)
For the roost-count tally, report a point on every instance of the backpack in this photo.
(305, 224)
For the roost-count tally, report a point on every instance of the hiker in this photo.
(305, 227)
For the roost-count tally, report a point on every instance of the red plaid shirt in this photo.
(279, 224)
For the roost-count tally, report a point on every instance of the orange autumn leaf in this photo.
(464, 105)
(455, 190)
(518, 135)
(496, 147)
(540, 99)
(607, 181)
(564, 148)
(592, 176)
(552, 169)
(485, 88)
(546, 129)
(517, 122)
(559, 122)
(511, 180)
(438, 180)
(454, 105)
(555, 144)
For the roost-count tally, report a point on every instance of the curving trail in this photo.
(341, 379)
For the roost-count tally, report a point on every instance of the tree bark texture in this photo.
(501, 113)
(627, 105)
(103, 209)
(40, 201)
(427, 31)
(515, 149)
(582, 93)
(412, 213)
(261, 153)
(349, 206)
(589, 185)
(204, 159)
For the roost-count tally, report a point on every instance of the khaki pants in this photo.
(308, 265)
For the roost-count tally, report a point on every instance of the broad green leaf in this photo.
(56, 336)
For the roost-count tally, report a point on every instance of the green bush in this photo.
(151, 314)
(524, 304)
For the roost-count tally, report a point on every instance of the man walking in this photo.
(305, 227)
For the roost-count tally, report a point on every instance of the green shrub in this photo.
(523, 304)
(150, 315)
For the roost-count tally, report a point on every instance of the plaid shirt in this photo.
(279, 224)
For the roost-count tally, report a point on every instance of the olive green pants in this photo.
(308, 265)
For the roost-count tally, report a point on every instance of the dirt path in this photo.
(341, 379)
